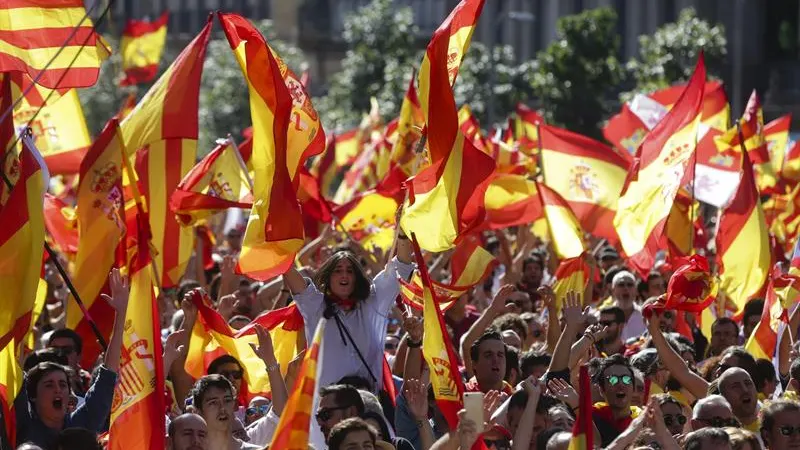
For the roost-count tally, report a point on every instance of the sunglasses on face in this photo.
(788, 430)
(233, 374)
(669, 420)
(257, 410)
(497, 444)
(719, 422)
(667, 315)
(614, 380)
(325, 414)
(66, 350)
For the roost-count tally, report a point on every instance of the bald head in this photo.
(187, 432)
(739, 390)
(559, 441)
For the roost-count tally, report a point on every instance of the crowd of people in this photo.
(517, 343)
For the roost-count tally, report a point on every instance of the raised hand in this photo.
(173, 348)
(491, 401)
(498, 304)
(264, 350)
(532, 387)
(414, 327)
(548, 297)
(120, 292)
(563, 391)
(416, 394)
(228, 266)
(573, 311)
(225, 306)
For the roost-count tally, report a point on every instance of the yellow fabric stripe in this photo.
(566, 232)
(508, 189)
(587, 180)
(476, 266)
(19, 19)
(37, 58)
(144, 50)
(143, 125)
(747, 261)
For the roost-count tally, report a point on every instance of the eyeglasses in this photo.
(788, 430)
(257, 410)
(325, 414)
(669, 419)
(233, 374)
(614, 380)
(497, 444)
(719, 422)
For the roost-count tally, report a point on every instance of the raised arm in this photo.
(293, 281)
(694, 383)
(524, 434)
(573, 317)
(120, 292)
(266, 352)
(553, 328)
(496, 308)
(306, 254)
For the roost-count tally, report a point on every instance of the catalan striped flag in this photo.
(101, 227)
(764, 338)
(594, 177)
(662, 165)
(8, 155)
(59, 128)
(162, 131)
(437, 74)
(218, 182)
(743, 249)
(583, 429)
(572, 275)
(274, 233)
(292, 432)
(448, 387)
(141, 47)
(22, 245)
(511, 200)
(33, 32)
(137, 412)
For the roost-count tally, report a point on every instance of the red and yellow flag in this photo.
(22, 245)
(764, 338)
(35, 32)
(137, 412)
(571, 276)
(219, 181)
(776, 135)
(324, 167)
(369, 219)
(9, 164)
(565, 230)
(511, 200)
(315, 207)
(662, 165)
(347, 146)
(583, 429)
(743, 249)
(127, 106)
(526, 129)
(61, 223)
(437, 74)
(404, 132)
(448, 387)
(141, 47)
(587, 174)
(274, 233)
(292, 432)
(162, 131)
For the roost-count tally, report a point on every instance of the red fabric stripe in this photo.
(97, 149)
(476, 170)
(739, 210)
(388, 381)
(182, 201)
(49, 37)
(137, 28)
(66, 163)
(643, 261)
(65, 235)
(9, 416)
(172, 229)
(103, 315)
(597, 220)
(288, 318)
(139, 75)
(17, 332)
(565, 141)
(521, 212)
(15, 212)
(78, 77)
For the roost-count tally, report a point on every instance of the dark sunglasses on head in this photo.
(669, 420)
(233, 374)
(719, 422)
(614, 380)
(788, 430)
(325, 414)
(257, 410)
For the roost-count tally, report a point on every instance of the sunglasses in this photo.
(233, 374)
(719, 422)
(788, 430)
(497, 444)
(325, 414)
(257, 410)
(614, 380)
(667, 315)
(66, 350)
(606, 323)
(669, 420)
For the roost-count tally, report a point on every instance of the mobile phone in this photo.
(473, 404)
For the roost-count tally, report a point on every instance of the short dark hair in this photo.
(217, 363)
(39, 371)
(513, 322)
(747, 360)
(769, 412)
(344, 395)
(794, 370)
(764, 372)
(44, 355)
(69, 334)
(531, 359)
(340, 431)
(362, 286)
(357, 382)
(533, 258)
(725, 321)
(512, 360)
(77, 439)
(613, 360)
(694, 440)
(204, 384)
(488, 335)
(753, 308)
(616, 311)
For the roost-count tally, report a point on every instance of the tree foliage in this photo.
(381, 49)
(578, 75)
(670, 54)
(101, 101)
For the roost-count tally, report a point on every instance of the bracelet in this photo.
(412, 344)
(273, 367)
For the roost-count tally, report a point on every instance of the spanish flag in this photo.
(59, 130)
(369, 219)
(127, 107)
(61, 223)
(34, 32)
(142, 45)
(404, 132)
(764, 339)
(274, 233)
(22, 245)
(471, 128)
(9, 164)
(572, 275)
(662, 165)
(743, 250)
(448, 387)
(776, 135)
(438, 72)
(137, 412)
(511, 200)
(219, 181)
(101, 227)
(583, 429)
(526, 128)
(347, 146)
(594, 177)
(292, 432)
(565, 230)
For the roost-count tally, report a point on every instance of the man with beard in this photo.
(739, 390)
(612, 417)
(532, 274)
(213, 398)
(613, 319)
(187, 432)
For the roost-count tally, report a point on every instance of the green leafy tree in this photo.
(382, 48)
(670, 54)
(101, 101)
(578, 75)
